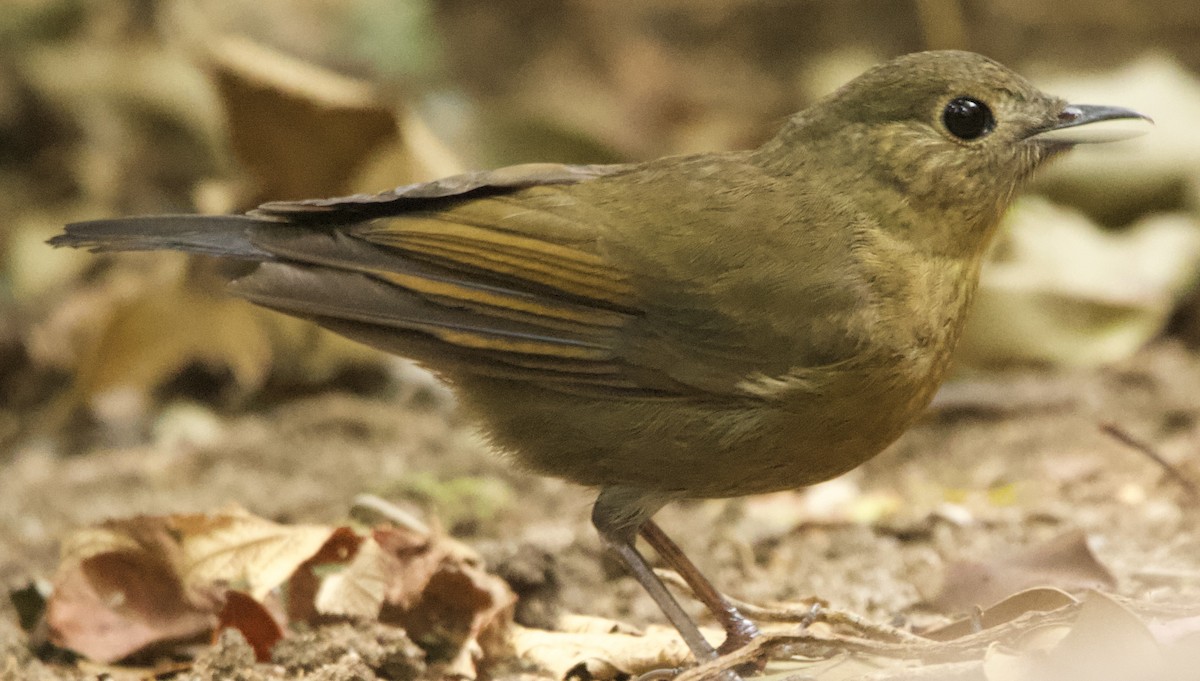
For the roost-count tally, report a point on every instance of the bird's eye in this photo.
(968, 118)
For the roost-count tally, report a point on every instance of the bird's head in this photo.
(948, 135)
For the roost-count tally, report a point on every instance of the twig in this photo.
(776, 645)
(370, 509)
(807, 613)
(1124, 437)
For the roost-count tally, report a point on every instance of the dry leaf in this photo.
(1061, 289)
(127, 584)
(416, 560)
(443, 598)
(301, 131)
(118, 591)
(1065, 562)
(1105, 643)
(238, 549)
(599, 655)
(571, 623)
(1041, 599)
(359, 589)
(306, 582)
(250, 617)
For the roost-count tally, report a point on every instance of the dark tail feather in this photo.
(222, 235)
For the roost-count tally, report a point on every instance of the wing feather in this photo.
(324, 292)
(535, 262)
(479, 322)
(347, 209)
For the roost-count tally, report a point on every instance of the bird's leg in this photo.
(617, 518)
(645, 576)
(621, 541)
(738, 629)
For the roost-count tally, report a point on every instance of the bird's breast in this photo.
(908, 330)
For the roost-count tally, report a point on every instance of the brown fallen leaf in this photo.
(1065, 562)
(299, 129)
(126, 585)
(418, 557)
(118, 591)
(254, 621)
(306, 583)
(440, 593)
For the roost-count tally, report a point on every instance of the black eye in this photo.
(968, 118)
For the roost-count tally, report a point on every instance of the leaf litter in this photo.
(131, 586)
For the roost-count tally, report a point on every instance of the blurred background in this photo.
(120, 107)
(115, 108)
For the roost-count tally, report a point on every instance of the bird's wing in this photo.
(358, 207)
(518, 273)
(464, 274)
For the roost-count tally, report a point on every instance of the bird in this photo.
(697, 326)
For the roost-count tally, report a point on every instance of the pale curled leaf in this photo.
(1038, 599)
(359, 589)
(1061, 289)
(239, 549)
(1106, 642)
(599, 655)
(572, 623)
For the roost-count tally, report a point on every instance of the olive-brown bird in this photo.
(710, 325)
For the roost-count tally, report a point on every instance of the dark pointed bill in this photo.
(1085, 123)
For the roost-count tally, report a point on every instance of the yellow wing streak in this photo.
(541, 312)
(561, 267)
(486, 341)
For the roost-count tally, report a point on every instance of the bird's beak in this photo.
(1085, 123)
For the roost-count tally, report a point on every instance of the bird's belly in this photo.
(713, 447)
(813, 440)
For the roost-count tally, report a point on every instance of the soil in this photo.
(1001, 463)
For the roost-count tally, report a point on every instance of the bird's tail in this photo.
(221, 235)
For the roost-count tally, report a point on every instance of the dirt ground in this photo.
(1000, 464)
